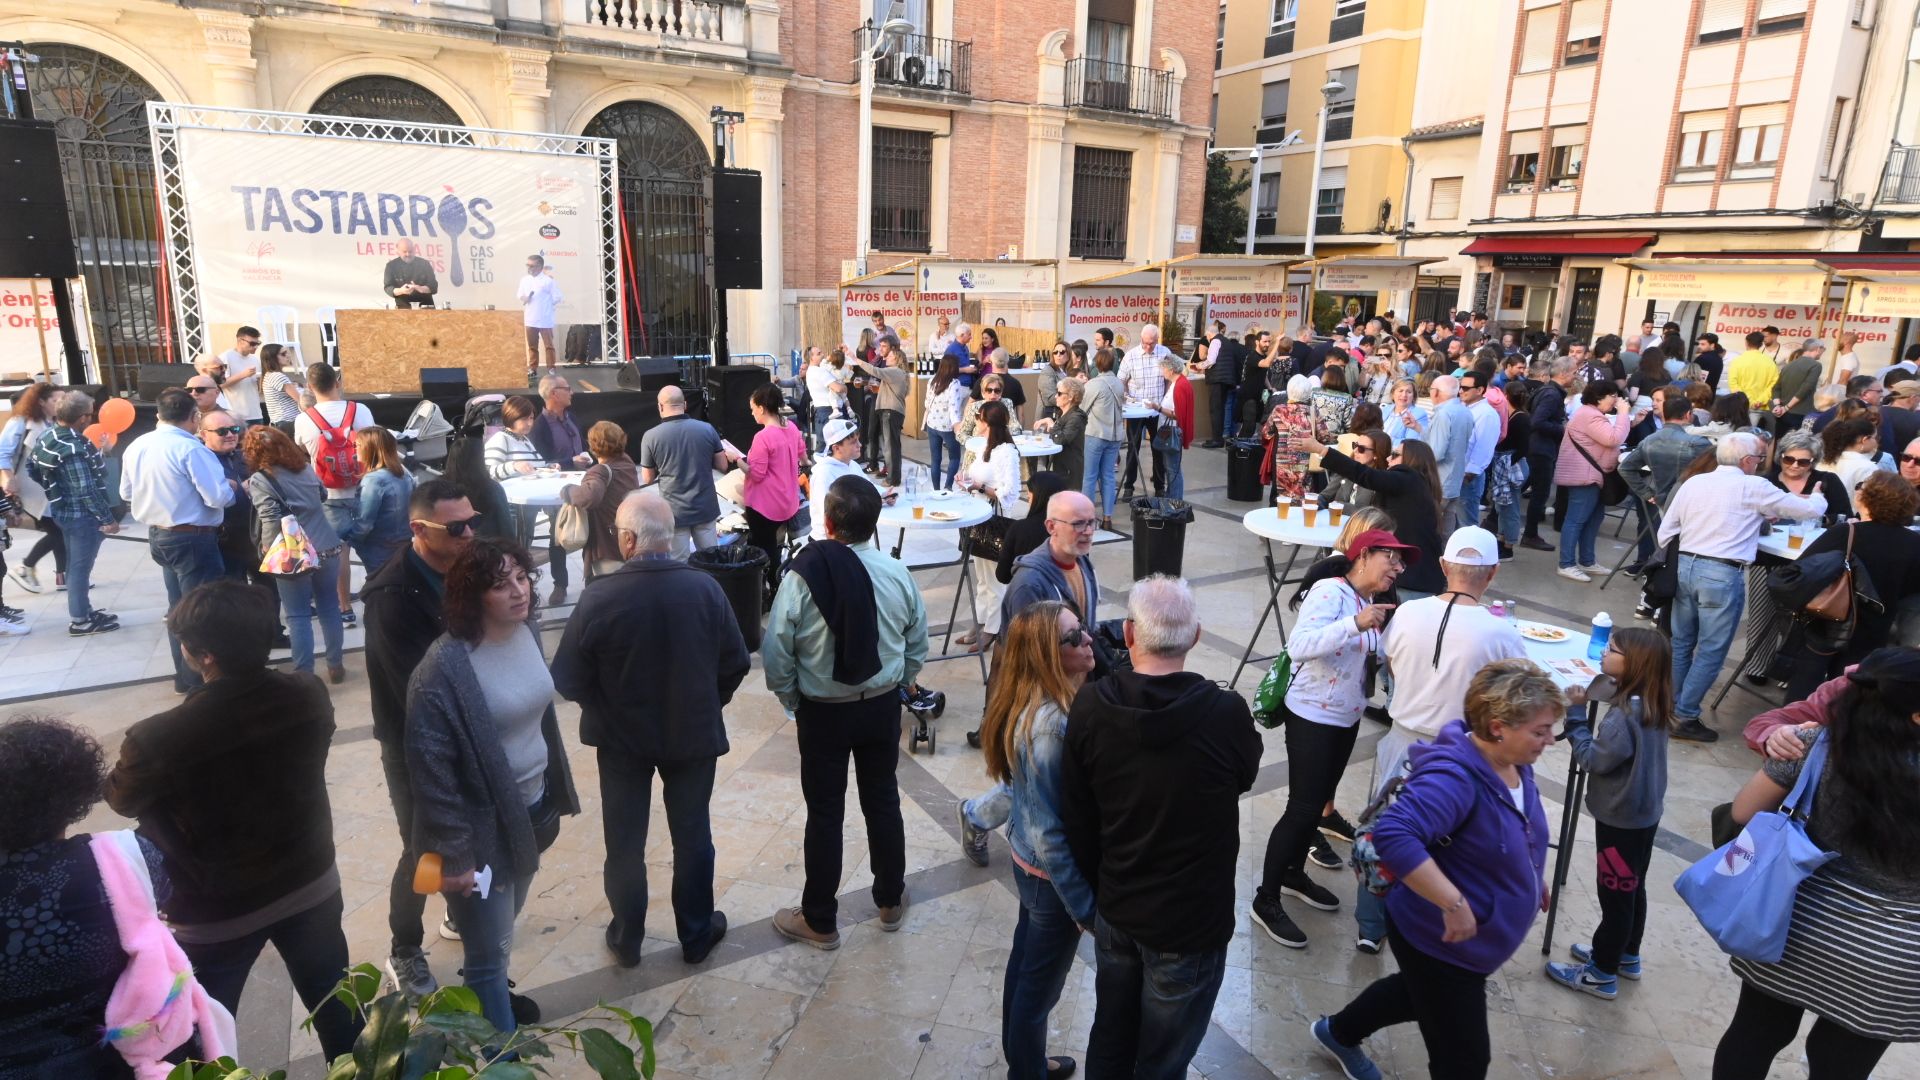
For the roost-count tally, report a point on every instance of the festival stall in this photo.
(1357, 281)
(1877, 300)
(1796, 295)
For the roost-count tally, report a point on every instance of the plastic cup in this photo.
(1794, 539)
(1284, 505)
(1311, 511)
(1334, 510)
(919, 511)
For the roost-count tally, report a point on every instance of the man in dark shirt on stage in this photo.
(410, 279)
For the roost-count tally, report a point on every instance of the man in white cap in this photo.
(841, 458)
(1435, 646)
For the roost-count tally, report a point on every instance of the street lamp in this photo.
(871, 50)
(1328, 92)
(1253, 219)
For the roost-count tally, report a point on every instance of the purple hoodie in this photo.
(1494, 856)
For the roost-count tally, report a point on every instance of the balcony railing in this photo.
(676, 22)
(1901, 182)
(920, 62)
(1123, 88)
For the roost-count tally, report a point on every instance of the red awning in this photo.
(1524, 244)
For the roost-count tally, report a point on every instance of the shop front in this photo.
(1550, 283)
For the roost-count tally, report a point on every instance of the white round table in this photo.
(1029, 448)
(538, 489)
(1267, 524)
(1568, 674)
(967, 510)
(1775, 542)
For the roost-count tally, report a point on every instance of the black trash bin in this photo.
(741, 570)
(1159, 535)
(1243, 470)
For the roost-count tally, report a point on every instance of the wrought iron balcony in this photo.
(698, 25)
(1901, 181)
(1122, 88)
(921, 62)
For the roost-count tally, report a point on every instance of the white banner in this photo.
(1000, 278)
(310, 223)
(1121, 309)
(30, 332)
(1195, 280)
(1265, 311)
(1799, 322)
(859, 302)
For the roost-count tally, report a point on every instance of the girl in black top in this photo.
(1409, 491)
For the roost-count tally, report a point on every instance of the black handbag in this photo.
(989, 538)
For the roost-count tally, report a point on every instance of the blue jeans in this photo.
(1103, 456)
(821, 414)
(1226, 397)
(626, 800)
(486, 938)
(944, 444)
(187, 561)
(1706, 615)
(1151, 1008)
(991, 810)
(1648, 528)
(83, 539)
(1510, 519)
(1473, 492)
(1170, 468)
(1370, 912)
(1043, 946)
(300, 595)
(1582, 527)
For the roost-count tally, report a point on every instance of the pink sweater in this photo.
(773, 472)
(1599, 435)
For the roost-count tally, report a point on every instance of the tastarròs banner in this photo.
(312, 222)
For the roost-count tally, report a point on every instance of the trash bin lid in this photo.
(1171, 511)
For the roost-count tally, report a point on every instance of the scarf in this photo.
(843, 592)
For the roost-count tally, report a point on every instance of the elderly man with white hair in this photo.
(653, 654)
(1717, 517)
(1144, 382)
(1156, 761)
(1450, 434)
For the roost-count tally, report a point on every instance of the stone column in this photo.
(760, 148)
(1046, 153)
(1165, 207)
(527, 90)
(229, 58)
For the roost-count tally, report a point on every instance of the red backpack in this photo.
(337, 463)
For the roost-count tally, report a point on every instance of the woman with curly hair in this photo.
(489, 771)
(283, 486)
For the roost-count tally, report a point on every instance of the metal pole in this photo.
(1253, 201)
(863, 188)
(1313, 194)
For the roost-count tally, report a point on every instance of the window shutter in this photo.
(1273, 100)
(1349, 77)
(1586, 20)
(1523, 142)
(1571, 135)
(1531, 4)
(1536, 51)
(1717, 16)
(1773, 9)
(1444, 203)
(1704, 121)
(1333, 178)
(1763, 115)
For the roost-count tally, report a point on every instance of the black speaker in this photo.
(730, 390)
(446, 387)
(733, 239)
(647, 374)
(157, 377)
(35, 240)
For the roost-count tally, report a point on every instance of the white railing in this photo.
(693, 21)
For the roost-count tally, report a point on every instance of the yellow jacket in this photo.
(1753, 373)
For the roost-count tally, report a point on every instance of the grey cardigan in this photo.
(1103, 402)
(466, 805)
(278, 493)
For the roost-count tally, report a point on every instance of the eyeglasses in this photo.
(1075, 637)
(223, 430)
(1394, 558)
(1798, 462)
(1084, 525)
(455, 529)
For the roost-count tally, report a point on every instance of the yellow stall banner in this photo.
(1794, 285)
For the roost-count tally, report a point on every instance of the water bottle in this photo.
(1601, 630)
(1513, 614)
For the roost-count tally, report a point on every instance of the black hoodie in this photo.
(1153, 773)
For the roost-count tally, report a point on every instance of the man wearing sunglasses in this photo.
(207, 396)
(220, 431)
(1910, 463)
(240, 376)
(404, 617)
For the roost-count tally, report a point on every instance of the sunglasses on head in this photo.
(455, 529)
(1075, 637)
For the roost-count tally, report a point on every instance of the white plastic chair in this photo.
(329, 335)
(279, 323)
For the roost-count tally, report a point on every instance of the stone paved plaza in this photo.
(924, 1002)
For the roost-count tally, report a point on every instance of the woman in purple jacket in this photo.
(1466, 839)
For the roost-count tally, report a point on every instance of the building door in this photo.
(1586, 303)
(99, 111)
(663, 170)
(1435, 299)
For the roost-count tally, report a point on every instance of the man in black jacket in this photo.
(1155, 764)
(633, 655)
(1549, 415)
(402, 600)
(1225, 357)
(1255, 378)
(409, 279)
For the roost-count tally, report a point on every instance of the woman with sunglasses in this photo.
(1069, 430)
(1370, 448)
(1796, 472)
(1045, 660)
(283, 485)
(1050, 375)
(1888, 552)
(279, 394)
(1407, 486)
(991, 388)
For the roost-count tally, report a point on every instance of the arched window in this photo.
(98, 108)
(384, 97)
(663, 169)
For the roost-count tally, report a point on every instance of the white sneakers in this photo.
(1574, 573)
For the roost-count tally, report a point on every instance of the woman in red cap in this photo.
(1337, 630)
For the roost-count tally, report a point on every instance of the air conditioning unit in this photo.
(922, 71)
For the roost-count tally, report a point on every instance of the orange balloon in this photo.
(116, 414)
(100, 436)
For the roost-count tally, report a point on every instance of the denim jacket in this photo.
(380, 513)
(1034, 829)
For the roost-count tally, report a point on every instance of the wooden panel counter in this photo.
(383, 349)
